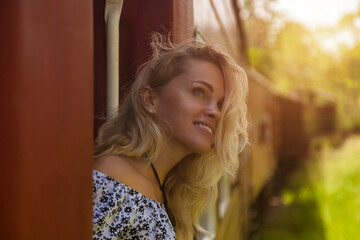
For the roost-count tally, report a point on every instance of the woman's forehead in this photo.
(205, 73)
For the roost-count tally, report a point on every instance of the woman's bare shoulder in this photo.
(125, 169)
(116, 167)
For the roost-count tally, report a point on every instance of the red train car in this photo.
(53, 84)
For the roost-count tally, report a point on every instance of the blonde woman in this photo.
(179, 128)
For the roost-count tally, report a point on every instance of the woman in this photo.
(158, 161)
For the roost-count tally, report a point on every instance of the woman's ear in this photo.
(148, 98)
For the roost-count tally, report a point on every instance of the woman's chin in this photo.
(202, 150)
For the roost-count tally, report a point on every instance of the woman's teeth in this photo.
(206, 127)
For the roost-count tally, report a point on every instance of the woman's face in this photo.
(190, 104)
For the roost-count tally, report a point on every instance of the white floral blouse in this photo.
(120, 212)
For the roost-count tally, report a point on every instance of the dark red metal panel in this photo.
(99, 63)
(139, 18)
(46, 106)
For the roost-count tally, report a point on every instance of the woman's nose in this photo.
(213, 112)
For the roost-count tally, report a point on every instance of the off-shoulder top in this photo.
(121, 212)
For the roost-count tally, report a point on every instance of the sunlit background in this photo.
(313, 45)
(308, 45)
(339, 16)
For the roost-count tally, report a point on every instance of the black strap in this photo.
(162, 189)
(157, 176)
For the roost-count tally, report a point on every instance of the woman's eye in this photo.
(199, 92)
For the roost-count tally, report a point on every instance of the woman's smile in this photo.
(205, 128)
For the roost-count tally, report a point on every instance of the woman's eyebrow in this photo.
(206, 84)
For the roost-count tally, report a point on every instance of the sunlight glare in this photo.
(316, 13)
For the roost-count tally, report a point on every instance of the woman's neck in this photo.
(170, 155)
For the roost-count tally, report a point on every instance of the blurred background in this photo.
(64, 65)
(308, 46)
(309, 50)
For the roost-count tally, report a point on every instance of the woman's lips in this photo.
(204, 127)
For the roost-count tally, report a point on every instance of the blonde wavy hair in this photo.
(192, 183)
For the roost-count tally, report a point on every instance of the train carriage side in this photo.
(216, 22)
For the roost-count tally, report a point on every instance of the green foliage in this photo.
(260, 59)
(293, 60)
(322, 200)
(293, 53)
(344, 80)
(338, 191)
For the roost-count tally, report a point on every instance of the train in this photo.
(55, 55)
